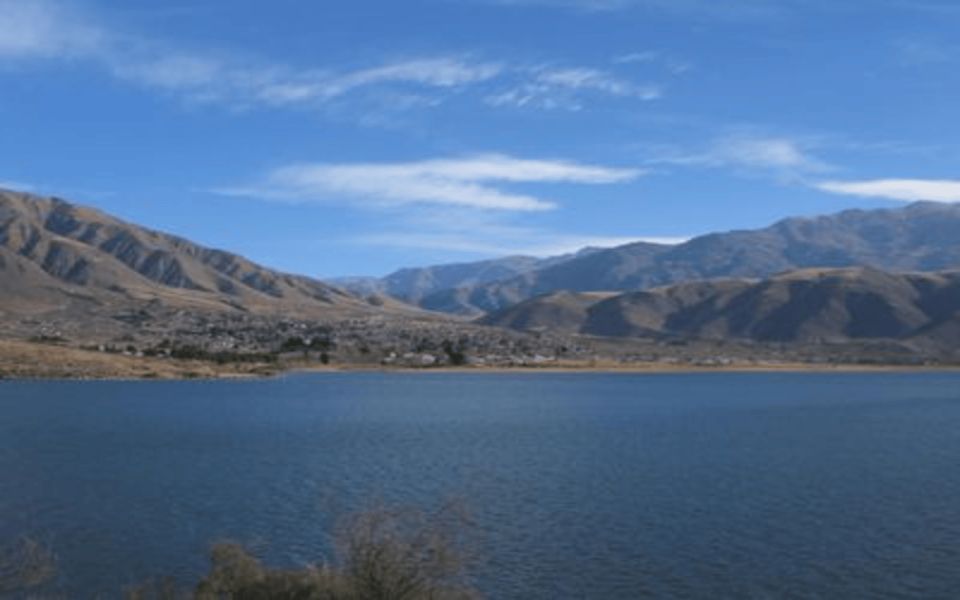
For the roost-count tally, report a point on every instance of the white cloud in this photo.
(740, 9)
(726, 10)
(18, 186)
(465, 182)
(765, 152)
(592, 79)
(671, 64)
(926, 52)
(442, 72)
(215, 80)
(506, 168)
(647, 56)
(907, 190)
(785, 157)
(591, 5)
(451, 204)
(42, 29)
(563, 88)
(527, 242)
(438, 241)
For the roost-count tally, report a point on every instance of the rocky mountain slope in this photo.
(918, 237)
(804, 306)
(59, 256)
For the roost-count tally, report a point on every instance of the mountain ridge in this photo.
(800, 306)
(424, 286)
(920, 236)
(51, 246)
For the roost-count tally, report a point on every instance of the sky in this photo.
(353, 137)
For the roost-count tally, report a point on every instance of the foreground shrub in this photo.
(380, 554)
(25, 565)
(404, 554)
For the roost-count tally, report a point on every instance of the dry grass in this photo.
(30, 360)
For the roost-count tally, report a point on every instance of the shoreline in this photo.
(30, 361)
(492, 372)
(228, 376)
(638, 369)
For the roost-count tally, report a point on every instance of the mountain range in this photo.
(857, 275)
(923, 236)
(428, 286)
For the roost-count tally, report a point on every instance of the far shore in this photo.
(20, 360)
(638, 368)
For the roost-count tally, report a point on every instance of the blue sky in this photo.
(354, 137)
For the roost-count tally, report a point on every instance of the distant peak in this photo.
(929, 205)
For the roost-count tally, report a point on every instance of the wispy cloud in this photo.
(44, 29)
(18, 186)
(486, 234)
(565, 88)
(672, 64)
(595, 80)
(727, 10)
(907, 190)
(740, 10)
(453, 204)
(785, 157)
(923, 52)
(589, 5)
(474, 182)
(646, 56)
(527, 242)
(208, 79)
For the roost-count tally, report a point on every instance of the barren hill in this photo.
(811, 305)
(59, 256)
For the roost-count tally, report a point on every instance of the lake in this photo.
(581, 485)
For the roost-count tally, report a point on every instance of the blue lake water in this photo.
(581, 485)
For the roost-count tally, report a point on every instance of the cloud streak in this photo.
(526, 242)
(906, 190)
(42, 29)
(728, 10)
(674, 65)
(784, 157)
(462, 204)
(566, 88)
(473, 182)
(211, 80)
(18, 186)
(738, 10)
(45, 30)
